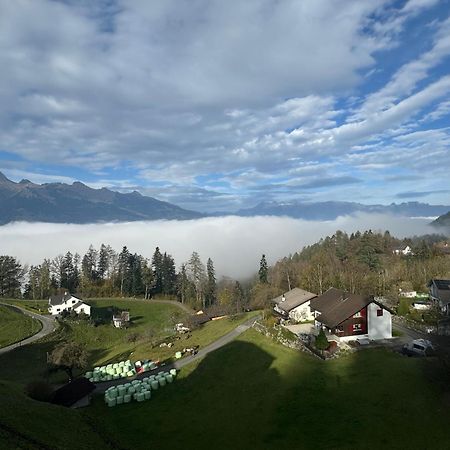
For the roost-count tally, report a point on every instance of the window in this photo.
(357, 327)
(380, 312)
(340, 329)
(73, 301)
(358, 314)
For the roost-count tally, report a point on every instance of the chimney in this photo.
(283, 298)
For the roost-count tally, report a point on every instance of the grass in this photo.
(151, 323)
(254, 393)
(36, 306)
(15, 326)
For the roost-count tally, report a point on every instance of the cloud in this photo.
(234, 243)
(415, 194)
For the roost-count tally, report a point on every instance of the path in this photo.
(48, 326)
(180, 363)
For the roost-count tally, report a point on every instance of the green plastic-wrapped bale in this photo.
(127, 398)
(112, 402)
(88, 375)
(131, 390)
(119, 400)
(147, 395)
(154, 384)
(140, 397)
(169, 378)
(162, 381)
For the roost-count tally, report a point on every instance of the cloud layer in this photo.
(218, 105)
(234, 243)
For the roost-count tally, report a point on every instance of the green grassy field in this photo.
(15, 326)
(254, 393)
(36, 306)
(151, 323)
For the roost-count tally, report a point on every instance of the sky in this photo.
(217, 106)
(231, 241)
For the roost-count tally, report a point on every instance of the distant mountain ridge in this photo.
(330, 210)
(442, 221)
(78, 203)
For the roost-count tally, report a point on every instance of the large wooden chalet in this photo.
(349, 316)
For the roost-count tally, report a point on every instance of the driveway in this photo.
(49, 325)
(224, 340)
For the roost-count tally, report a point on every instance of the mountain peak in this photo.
(4, 179)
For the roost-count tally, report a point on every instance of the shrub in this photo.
(322, 341)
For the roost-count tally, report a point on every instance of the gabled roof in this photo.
(293, 298)
(73, 391)
(79, 303)
(59, 299)
(336, 305)
(443, 289)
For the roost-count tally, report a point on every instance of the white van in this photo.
(418, 347)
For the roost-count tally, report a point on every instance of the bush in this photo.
(132, 337)
(322, 341)
(39, 390)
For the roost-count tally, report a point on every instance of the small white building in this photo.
(121, 320)
(67, 302)
(295, 305)
(405, 251)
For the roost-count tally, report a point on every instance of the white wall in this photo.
(86, 309)
(379, 327)
(301, 313)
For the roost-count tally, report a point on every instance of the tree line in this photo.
(107, 273)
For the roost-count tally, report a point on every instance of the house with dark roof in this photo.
(75, 394)
(67, 302)
(440, 294)
(352, 316)
(295, 305)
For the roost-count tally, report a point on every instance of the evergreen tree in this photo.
(183, 284)
(10, 277)
(103, 261)
(321, 341)
(134, 285)
(157, 266)
(169, 275)
(124, 270)
(89, 264)
(196, 274)
(210, 293)
(147, 278)
(238, 295)
(263, 270)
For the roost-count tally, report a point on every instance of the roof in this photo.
(59, 299)
(73, 392)
(293, 298)
(79, 303)
(336, 305)
(443, 289)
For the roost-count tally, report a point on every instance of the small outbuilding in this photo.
(75, 394)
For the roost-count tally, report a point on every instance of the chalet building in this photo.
(352, 316)
(405, 251)
(440, 294)
(67, 302)
(295, 305)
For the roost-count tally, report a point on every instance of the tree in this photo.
(89, 264)
(238, 295)
(263, 270)
(157, 266)
(10, 276)
(68, 356)
(321, 341)
(183, 284)
(196, 274)
(124, 269)
(147, 278)
(169, 275)
(210, 291)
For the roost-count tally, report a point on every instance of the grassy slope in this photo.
(36, 306)
(107, 343)
(28, 424)
(15, 326)
(254, 393)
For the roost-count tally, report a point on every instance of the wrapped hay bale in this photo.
(162, 381)
(112, 402)
(140, 397)
(147, 395)
(127, 398)
(154, 384)
(173, 372)
(119, 400)
(169, 378)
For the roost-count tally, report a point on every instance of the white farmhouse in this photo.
(67, 302)
(295, 304)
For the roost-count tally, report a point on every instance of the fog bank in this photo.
(235, 244)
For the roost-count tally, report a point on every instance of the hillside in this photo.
(78, 203)
(442, 221)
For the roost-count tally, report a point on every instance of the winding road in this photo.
(49, 325)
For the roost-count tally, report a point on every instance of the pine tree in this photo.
(196, 274)
(263, 270)
(124, 270)
(183, 284)
(210, 293)
(147, 278)
(157, 266)
(169, 275)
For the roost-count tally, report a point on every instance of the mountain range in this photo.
(78, 203)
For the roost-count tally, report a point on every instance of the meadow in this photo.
(15, 326)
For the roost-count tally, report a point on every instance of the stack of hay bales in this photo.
(138, 390)
(122, 369)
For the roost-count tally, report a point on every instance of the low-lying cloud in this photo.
(235, 244)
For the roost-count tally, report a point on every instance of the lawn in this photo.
(151, 323)
(253, 393)
(15, 326)
(36, 306)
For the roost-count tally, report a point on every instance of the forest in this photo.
(360, 262)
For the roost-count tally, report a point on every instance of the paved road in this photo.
(227, 338)
(49, 325)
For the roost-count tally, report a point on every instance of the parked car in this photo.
(418, 347)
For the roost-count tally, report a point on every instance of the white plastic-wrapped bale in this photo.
(162, 381)
(173, 372)
(140, 397)
(154, 384)
(147, 395)
(169, 378)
